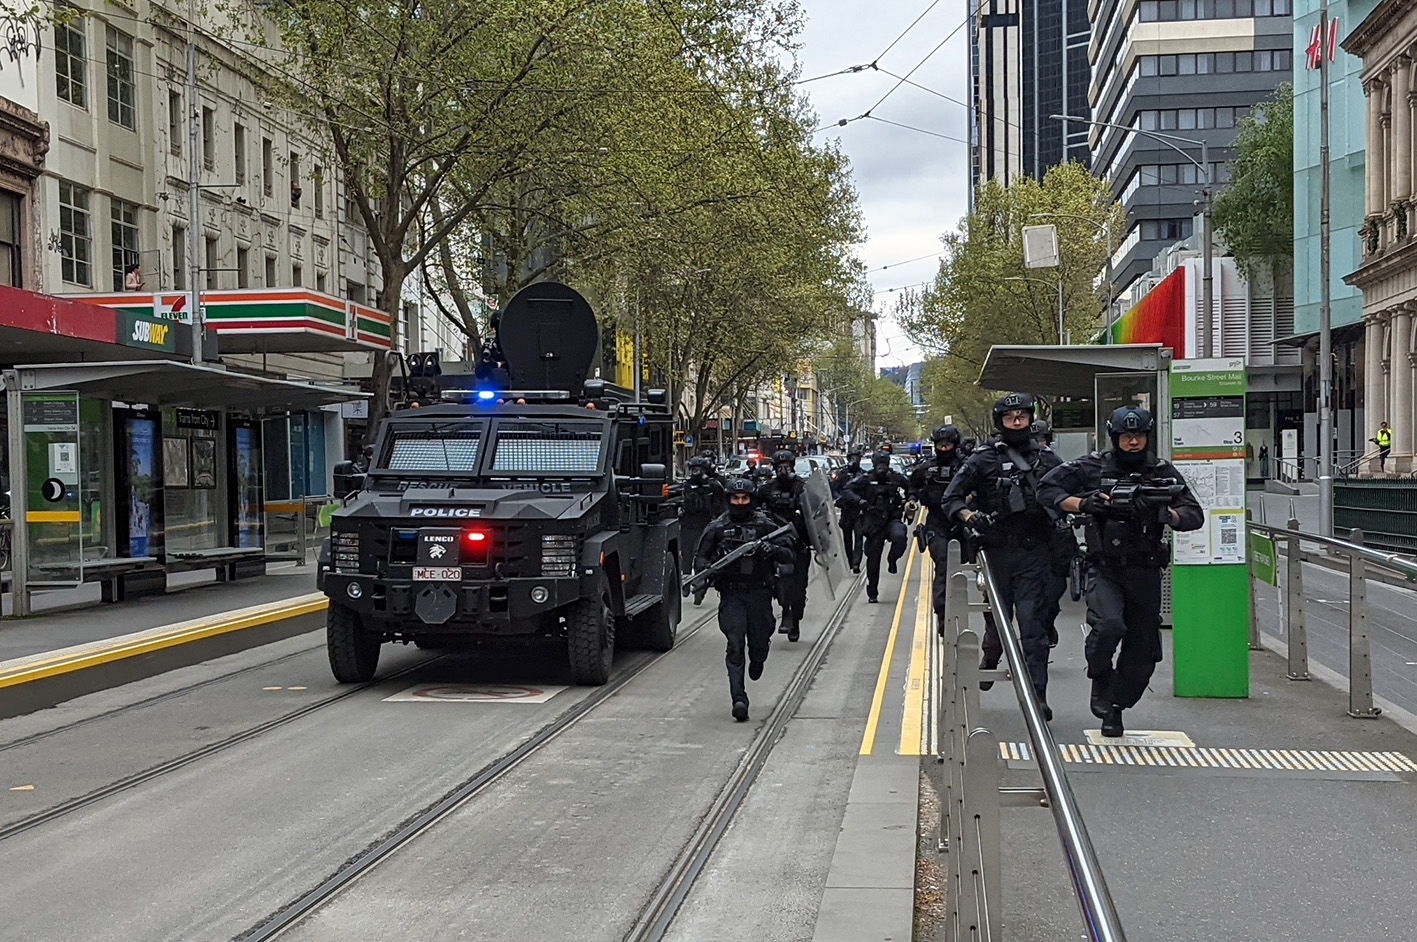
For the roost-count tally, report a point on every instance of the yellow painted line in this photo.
(913, 715)
(873, 719)
(181, 634)
(51, 516)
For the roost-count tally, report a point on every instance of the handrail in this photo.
(1406, 565)
(1099, 911)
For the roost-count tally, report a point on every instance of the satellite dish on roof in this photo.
(548, 337)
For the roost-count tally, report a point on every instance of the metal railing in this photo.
(1361, 564)
(972, 793)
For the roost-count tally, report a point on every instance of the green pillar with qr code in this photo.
(1210, 598)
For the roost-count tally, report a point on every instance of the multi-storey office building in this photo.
(1187, 68)
(1028, 60)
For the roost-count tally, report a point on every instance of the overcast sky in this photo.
(913, 186)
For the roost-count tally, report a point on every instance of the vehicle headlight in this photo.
(539, 594)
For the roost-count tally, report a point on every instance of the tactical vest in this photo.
(698, 500)
(752, 571)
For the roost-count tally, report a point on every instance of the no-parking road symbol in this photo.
(475, 693)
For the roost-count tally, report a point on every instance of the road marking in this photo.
(1141, 737)
(1115, 752)
(272, 688)
(873, 719)
(297, 688)
(474, 693)
(913, 716)
(22, 788)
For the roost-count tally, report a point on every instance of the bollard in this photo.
(1360, 658)
(1255, 643)
(1297, 638)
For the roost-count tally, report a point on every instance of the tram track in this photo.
(376, 853)
(187, 758)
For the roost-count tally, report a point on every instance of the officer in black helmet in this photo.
(850, 511)
(781, 499)
(745, 587)
(928, 483)
(1014, 529)
(1042, 432)
(703, 500)
(880, 495)
(1129, 497)
(1065, 544)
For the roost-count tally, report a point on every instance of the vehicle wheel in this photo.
(590, 639)
(660, 624)
(354, 652)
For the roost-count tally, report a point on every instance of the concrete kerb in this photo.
(1391, 711)
(44, 680)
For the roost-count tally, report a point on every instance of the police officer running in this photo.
(745, 586)
(704, 499)
(1065, 545)
(1130, 497)
(880, 495)
(781, 499)
(928, 483)
(1014, 528)
(850, 511)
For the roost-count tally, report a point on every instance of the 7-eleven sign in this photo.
(1315, 50)
(172, 307)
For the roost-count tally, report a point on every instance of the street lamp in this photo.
(1053, 284)
(1106, 228)
(1171, 140)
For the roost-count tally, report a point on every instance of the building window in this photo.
(243, 267)
(270, 271)
(70, 64)
(318, 181)
(75, 235)
(120, 79)
(268, 170)
(321, 282)
(179, 258)
(297, 276)
(208, 138)
(295, 180)
(354, 291)
(174, 122)
(10, 273)
(238, 147)
(211, 259)
(123, 227)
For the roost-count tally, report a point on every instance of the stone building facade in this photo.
(1386, 42)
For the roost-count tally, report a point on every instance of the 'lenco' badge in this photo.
(446, 512)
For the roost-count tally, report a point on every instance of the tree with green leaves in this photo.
(983, 295)
(1255, 214)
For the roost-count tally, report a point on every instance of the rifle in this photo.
(700, 579)
(1135, 494)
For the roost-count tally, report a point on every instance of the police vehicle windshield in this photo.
(494, 448)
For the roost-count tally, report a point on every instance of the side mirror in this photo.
(347, 478)
(654, 472)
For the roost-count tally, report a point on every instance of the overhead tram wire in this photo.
(904, 32)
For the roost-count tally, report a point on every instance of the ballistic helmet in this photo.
(697, 463)
(945, 435)
(881, 459)
(1010, 401)
(783, 457)
(1042, 430)
(1130, 419)
(741, 486)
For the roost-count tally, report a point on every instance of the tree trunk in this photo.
(394, 275)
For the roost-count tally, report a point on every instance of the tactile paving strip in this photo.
(1201, 757)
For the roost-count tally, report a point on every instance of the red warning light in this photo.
(475, 536)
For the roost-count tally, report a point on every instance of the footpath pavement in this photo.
(1275, 817)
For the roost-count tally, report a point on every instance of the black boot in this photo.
(1052, 636)
(740, 710)
(890, 565)
(794, 632)
(987, 663)
(1101, 697)
(755, 669)
(1112, 724)
(785, 627)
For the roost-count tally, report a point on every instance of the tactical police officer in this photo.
(880, 495)
(1014, 529)
(781, 499)
(928, 483)
(703, 500)
(745, 586)
(1065, 544)
(1130, 497)
(850, 510)
(1042, 432)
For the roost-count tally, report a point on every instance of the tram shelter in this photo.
(124, 461)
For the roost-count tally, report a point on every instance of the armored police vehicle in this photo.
(529, 505)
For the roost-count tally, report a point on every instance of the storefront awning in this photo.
(1053, 370)
(170, 383)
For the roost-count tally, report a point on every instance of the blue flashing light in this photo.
(486, 394)
(642, 420)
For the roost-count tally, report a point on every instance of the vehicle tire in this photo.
(590, 638)
(354, 652)
(660, 624)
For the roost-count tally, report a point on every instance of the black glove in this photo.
(1096, 504)
(980, 524)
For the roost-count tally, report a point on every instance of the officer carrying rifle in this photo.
(1129, 497)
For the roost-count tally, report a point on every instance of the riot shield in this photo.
(819, 513)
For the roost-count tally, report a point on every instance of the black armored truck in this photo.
(516, 503)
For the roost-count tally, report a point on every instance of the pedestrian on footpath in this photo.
(1129, 497)
(1384, 442)
(880, 495)
(995, 496)
(745, 586)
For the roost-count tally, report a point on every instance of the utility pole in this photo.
(1325, 294)
(194, 265)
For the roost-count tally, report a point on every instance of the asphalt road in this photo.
(569, 845)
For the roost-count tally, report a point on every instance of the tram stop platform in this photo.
(1276, 817)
